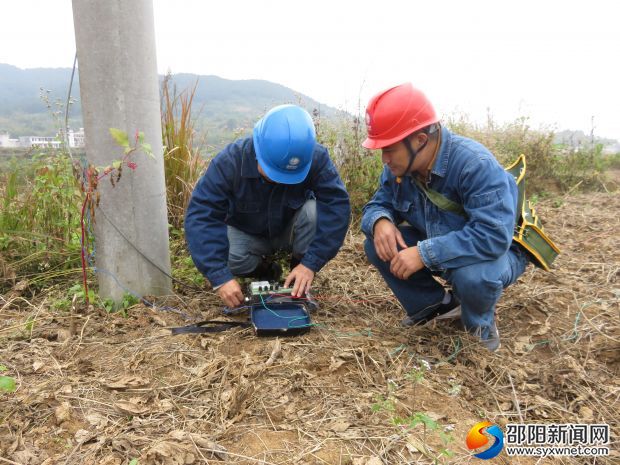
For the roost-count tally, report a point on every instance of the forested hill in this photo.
(221, 104)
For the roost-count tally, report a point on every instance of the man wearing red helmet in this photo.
(444, 207)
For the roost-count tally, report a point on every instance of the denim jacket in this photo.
(232, 192)
(466, 172)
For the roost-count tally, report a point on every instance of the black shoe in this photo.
(266, 271)
(272, 272)
(443, 311)
(294, 262)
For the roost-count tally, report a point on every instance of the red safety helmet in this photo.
(395, 113)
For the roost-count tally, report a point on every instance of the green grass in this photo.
(39, 219)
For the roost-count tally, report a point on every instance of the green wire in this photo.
(291, 318)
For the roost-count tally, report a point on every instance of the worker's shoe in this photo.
(272, 272)
(492, 342)
(294, 261)
(450, 310)
(266, 271)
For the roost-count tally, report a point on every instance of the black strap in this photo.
(413, 153)
(209, 326)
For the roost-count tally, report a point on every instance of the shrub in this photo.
(359, 168)
(550, 166)
(40, 216)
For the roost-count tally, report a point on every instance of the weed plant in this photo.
(183, 163)
(40, 215)
(359, 168)
(551, 168)
(40, 198)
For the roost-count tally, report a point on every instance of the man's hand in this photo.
(302, 276)
(387, 238)
(406, 262)
(230, 293)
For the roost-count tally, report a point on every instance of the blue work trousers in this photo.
(246, 250)
(478, 286)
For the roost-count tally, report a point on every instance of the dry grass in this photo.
(183, 162)
(99, 388)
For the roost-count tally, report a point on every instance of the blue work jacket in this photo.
(232, 192)
(467, 173)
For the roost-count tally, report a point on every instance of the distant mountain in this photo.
(221, 105)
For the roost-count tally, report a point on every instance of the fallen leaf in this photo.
(165, 405)
(169, 453)
(63, 412)
(543, 328)
(83, 435)
(159, 320)
(522, 344)
(336, 362)
(130, 408)
(275, 352)
(204, 443)
(37, 365)
(346, 355)
(129, 381)
(97, 420)
(339, 426)
(63, 335)
(506, 406)
(414, 445)
(586, 414)
(20, 286)
(25, 456)
(66, 389)
(111, 460)
(123, 446)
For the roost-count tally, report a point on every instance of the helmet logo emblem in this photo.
(368, 122)
(292, 163)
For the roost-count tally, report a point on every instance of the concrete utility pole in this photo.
(120, 89)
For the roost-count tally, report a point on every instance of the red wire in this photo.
(326, 297)
(84, 280)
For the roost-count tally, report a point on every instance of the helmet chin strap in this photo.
(412, 153)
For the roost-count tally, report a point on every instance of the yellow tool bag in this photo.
(529, 232)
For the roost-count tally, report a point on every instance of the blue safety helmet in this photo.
(284, 140)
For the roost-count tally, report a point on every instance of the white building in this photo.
(6, 141)
(39, 142)
(76, 138)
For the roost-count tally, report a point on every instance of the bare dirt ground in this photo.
(100, 388)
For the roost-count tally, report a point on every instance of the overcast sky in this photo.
(556, 62)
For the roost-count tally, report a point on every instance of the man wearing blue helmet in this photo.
(276, 190)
